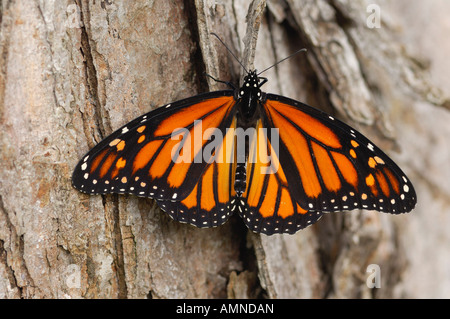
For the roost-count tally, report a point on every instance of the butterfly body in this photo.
(249, 97)
(278, 163)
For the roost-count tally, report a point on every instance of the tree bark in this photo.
(74, 71)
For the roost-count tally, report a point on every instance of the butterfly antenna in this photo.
(301, 50)
(231, 52)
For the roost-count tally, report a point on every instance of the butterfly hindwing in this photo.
(210, 202)
(267, 205)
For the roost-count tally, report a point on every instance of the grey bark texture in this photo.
(71, 72)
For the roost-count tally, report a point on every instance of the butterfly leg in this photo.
(229, 84)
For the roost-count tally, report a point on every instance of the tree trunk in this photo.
(74, 71)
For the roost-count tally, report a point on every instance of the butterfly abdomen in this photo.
(240, 182)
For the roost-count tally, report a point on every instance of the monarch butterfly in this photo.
(279, 181)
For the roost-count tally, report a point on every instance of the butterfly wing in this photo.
(267, 205)
(209, 204)
(159, 154)
(331, 166)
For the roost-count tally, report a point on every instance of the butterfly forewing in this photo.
(158, 154)
(338, 168)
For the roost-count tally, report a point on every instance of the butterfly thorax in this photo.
(249, 96)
